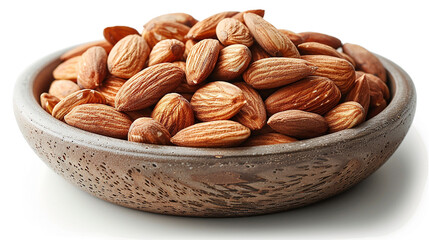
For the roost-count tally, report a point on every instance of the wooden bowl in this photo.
(212, 182)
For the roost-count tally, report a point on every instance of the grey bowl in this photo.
(212, 182)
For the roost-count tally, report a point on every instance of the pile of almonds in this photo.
(232, 79)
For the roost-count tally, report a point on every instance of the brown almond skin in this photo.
(68, 69)
(174, 112)
(100, 119)
(337, 69)
(148, 130)
(378, 90)
(298, 124)
(115, 33)
(75, 99)
(128, 56)
(365, 60)
(63, 88)
(294, 37)
(258, 52)
(232, 62)
(253, 114)
(217, 101)
(202, 60)
(267, 139)
(206, 28)
(188, 46)
(239, 16)
(134, 115)
(360, 92)
(168, 50)
(348, 58)
(375, 110)
(231, 31)
(158, 31)
(110, 87)
(315, 48)
(345, 115)
(48, 102)
(221, 133)
(270, 38)
(148, 86)
(312, 94)
(92, 68)
(182, 18)
(79, 50)
(277, 71)
(321, 38)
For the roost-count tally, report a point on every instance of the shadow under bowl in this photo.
(227, 182)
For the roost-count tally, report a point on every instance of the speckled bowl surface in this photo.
(212, 182)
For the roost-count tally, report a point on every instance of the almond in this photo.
(378, 90)
(174, 112)
(258, 52)
(365, 60)
(360, 92)
(168, 50)
(110, 87)
(48, 102)
(239, 16)
(375, 110)
(75, 99)
(293, 36)
(157, 31)
(116, 33)
(182, 18)
(348, 58)
(253, 114)
(68, 69)
(221, 133)
(217, 101)
(188, 46)
(321, 38)
(315, 48)
(63, 88)
(269, 38)
(312, 94)
(128, 56)
(201, 60)
(298, 124)
(92, 68)
(207, 28)
(345, 115)
(277, 71)
(148, 130)
(100, 119)
(79, 50)
(134, 115)
(184, 87)
(232, 62)
(148, 86)
(267, 139)
(231, 31)
(337, 69)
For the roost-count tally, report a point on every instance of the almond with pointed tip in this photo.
(128, 56)
(174, 112)
(337, 69)
(293, 36)
(148, 86)
(68, 69)
(48, 102)
(75, 99)
(110, 87)
(277, 71)
(231, 31)
(270, 38)
(63, 88)
(92, 68)
(321, 38)
(157, 31)
(115, 33)
(360, 92)
(217, 101)
(168, 50)
(378, 90)
(267, 139)
(345, 115)
(100, 119)
(182, 18)
(239, 16)
(148, 130)
(258, 52)
(79, 50)
(312, 94)
(232, 62)
(315, 48)
(206, 28)
(221, 133)
(201, 60)
(253, 114)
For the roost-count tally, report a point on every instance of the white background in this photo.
(35, 202)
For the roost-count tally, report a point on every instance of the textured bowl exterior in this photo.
(212, 182)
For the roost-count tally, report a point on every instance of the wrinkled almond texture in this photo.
(221, 133)
(267, 139)
(92, 68)
(258, 52)
(345, 115)
(48, 102)
(79, 50)
(239, 16)
(158, 31)
(294, 37)
(232, 62)
(148, 130)
(110, 87)
(68, 69)
(116, 33)
(321, 38)
(63, 88)
(231, 31)
(360, 92)
(315, 48)
(252, 114)
(168, 50)
(201, 60)
(206, 28)
(75, 99)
